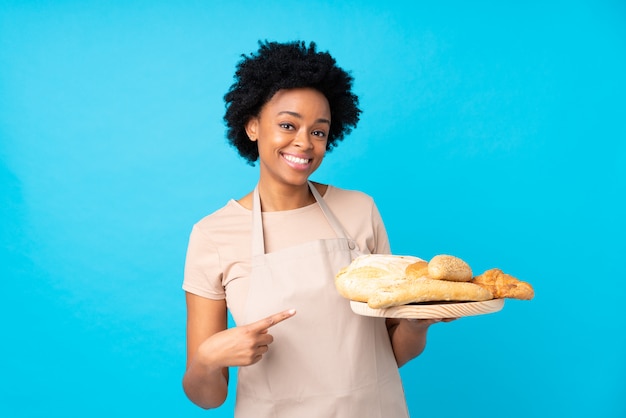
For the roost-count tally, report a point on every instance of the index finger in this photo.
(270, 321)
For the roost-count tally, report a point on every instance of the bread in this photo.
(503, 285)
(426, 290)
(367, 274)
(417, 270)
(383, 281)
(448, 267)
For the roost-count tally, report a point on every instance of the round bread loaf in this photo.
(367, 274)
(449, 267)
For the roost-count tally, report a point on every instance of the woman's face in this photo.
(291, 131)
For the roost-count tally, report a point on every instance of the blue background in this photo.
(495, 132)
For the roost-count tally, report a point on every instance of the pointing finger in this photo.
(270, 321)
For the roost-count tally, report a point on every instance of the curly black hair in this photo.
(278, 66)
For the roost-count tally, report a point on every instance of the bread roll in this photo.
(417, 270)
(503, 285)
(448, 267)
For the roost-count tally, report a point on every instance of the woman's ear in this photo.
(252, 128)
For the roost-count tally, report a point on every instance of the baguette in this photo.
(427, 290)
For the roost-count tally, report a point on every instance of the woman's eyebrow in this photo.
(299, 116)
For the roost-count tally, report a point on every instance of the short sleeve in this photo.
(381, 238)
(203, 272)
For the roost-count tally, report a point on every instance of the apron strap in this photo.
(258, 243)
(330, 217)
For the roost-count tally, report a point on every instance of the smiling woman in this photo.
(289, 105)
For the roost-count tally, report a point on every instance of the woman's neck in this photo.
(274, 203)
(281, 198)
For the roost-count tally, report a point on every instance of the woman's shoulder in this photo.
(230, 216)
(350, 197)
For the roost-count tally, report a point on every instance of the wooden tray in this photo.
(431, 311)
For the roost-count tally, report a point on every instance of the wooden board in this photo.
(431, 311)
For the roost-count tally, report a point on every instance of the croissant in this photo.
(503, 285)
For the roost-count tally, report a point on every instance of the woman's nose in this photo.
(303, 139)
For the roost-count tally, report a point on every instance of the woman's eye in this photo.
(286, 126)
(321, 134)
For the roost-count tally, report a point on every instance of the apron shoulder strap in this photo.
(258, 244)
(330, 217)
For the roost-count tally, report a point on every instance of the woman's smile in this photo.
(298, 163)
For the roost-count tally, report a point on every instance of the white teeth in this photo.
(296, 160)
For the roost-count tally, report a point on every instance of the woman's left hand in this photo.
(423, 324)
(408, 336)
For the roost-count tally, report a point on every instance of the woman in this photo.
(270, 259)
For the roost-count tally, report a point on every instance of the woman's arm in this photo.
(205, 381)
(408, 337)
(212, 348)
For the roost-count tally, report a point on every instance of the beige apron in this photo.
(325, 361)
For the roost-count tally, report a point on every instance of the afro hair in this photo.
(277, 66)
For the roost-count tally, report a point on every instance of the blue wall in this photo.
(493, 132)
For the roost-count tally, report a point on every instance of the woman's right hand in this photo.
(212, 348)
(240, 346)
